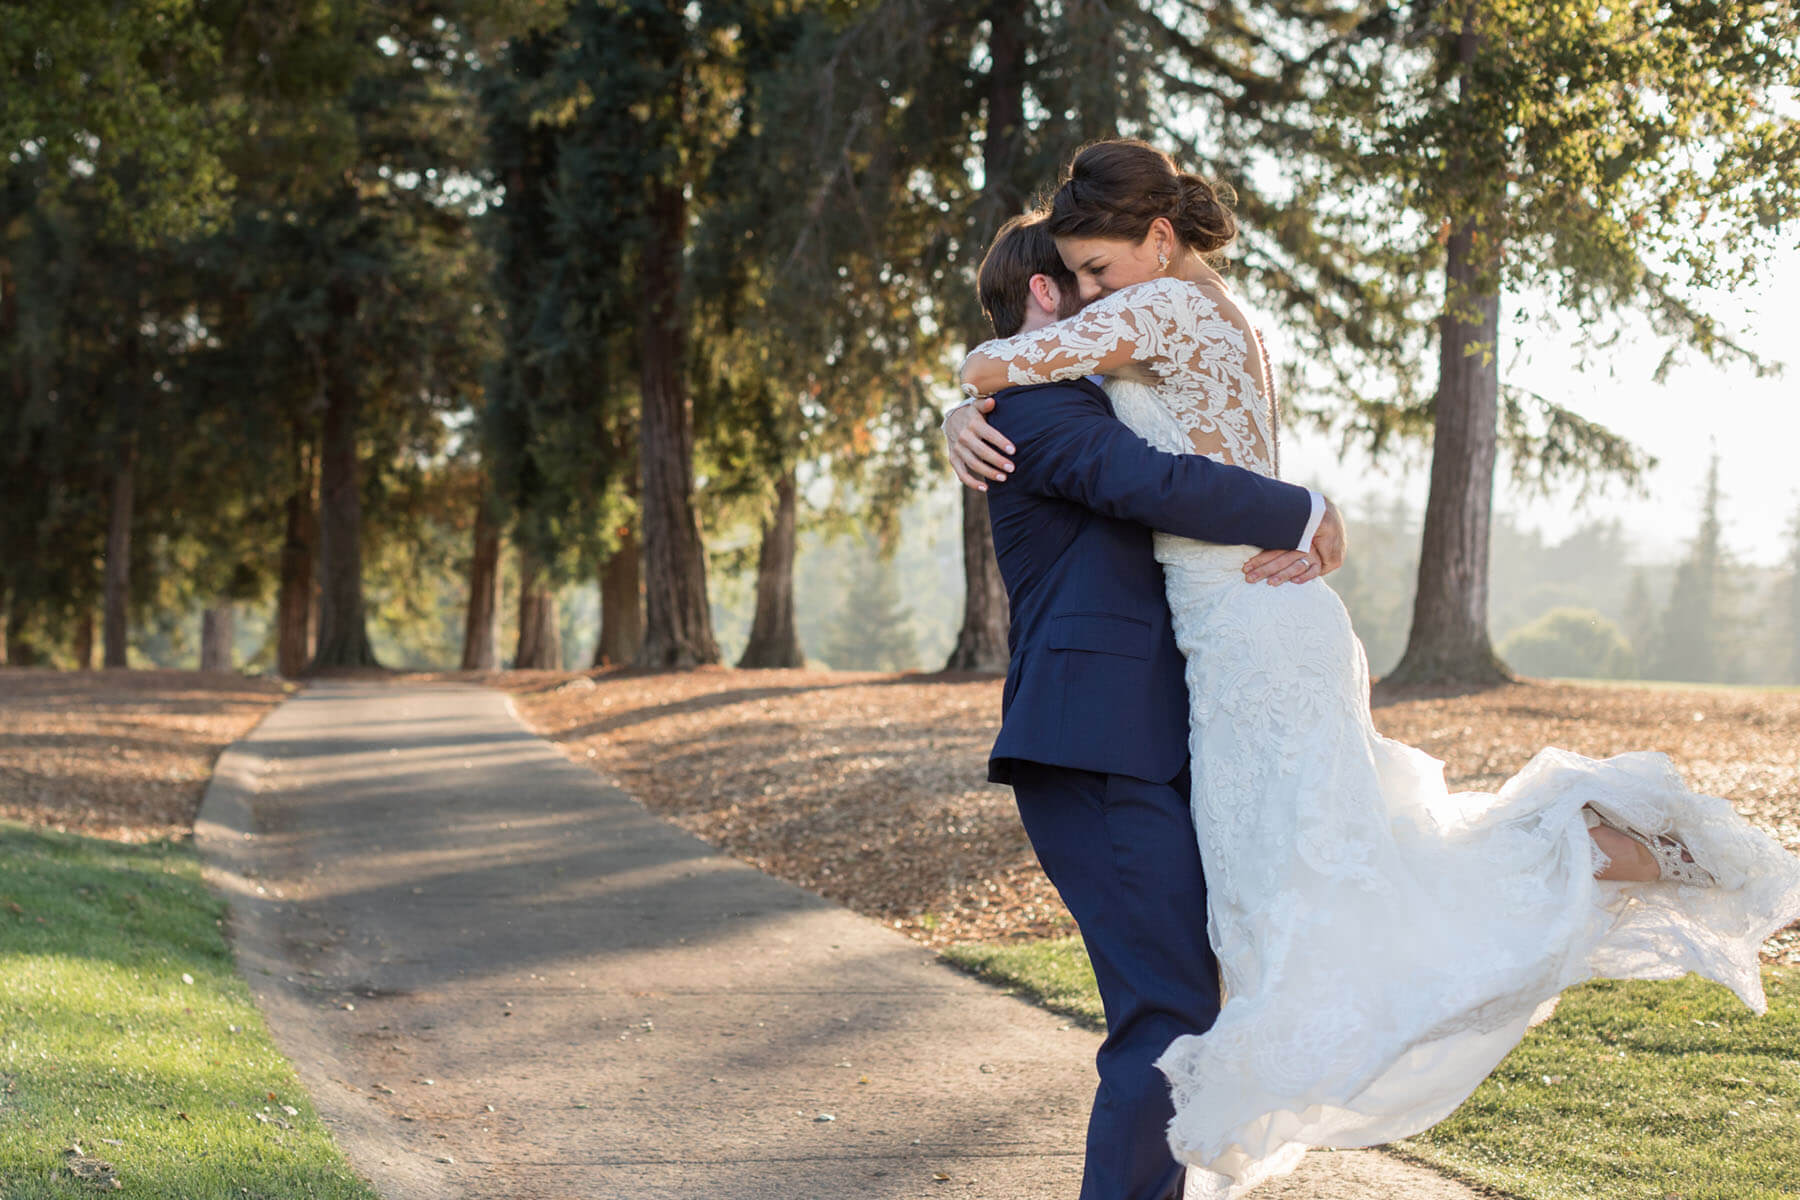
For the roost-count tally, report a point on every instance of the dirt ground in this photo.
(870, 788)
(867, 788)
(119, 754)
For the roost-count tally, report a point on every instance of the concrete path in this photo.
(499, 977)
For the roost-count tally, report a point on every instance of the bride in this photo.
(1383, 942)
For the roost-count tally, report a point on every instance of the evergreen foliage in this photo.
(249, 334)
(1577, 642)
(119, 103)
(871, 629)
(1691, 645)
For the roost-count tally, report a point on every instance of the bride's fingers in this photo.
(963, 473)
(987, 433)
(979, 453)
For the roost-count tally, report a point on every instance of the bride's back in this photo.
(1209, 371)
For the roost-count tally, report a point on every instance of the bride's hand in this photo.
(977, 450)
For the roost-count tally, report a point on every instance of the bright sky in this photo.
(1754, 423)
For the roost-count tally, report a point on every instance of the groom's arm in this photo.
(1068, 445)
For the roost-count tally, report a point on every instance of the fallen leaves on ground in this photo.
(866, 788)
(869, 788)
(119, 754)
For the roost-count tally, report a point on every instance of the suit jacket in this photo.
(1095, 681)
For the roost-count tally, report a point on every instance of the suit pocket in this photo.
(1101, 633)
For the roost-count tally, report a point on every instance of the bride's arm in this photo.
(1133, 325)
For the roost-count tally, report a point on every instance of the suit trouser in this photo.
(1123, 854)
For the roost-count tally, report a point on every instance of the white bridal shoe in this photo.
(1674, 862)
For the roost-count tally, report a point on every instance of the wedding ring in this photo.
(1305, 561)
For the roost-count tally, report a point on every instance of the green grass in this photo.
(101, 1036)
(1054, 972)
(1656, 1090)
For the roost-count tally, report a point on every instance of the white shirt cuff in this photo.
(1312, 525)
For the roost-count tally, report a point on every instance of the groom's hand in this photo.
(977, 450)
(1325, 555)
(1331, 541)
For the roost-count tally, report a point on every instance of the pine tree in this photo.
(872, 630)
(121, 103)
(1477, 110)
(1689, 647)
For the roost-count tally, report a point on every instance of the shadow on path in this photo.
(501, 978)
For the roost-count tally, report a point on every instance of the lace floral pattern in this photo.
(1384, 942)
(1208, 381)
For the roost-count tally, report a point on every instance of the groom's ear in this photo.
(1045, 294)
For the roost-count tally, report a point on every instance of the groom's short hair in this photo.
(1021, 249)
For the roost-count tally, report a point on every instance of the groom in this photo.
(1094, 716)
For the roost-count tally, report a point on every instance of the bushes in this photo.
(1570, 642)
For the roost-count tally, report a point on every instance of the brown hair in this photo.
(1116, 189)
(1021, 249)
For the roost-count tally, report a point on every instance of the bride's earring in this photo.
(1162, 260)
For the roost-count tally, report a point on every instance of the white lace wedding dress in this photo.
(1383, 942)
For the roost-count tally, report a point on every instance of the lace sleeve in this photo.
(1150, 323)
(1205, 367)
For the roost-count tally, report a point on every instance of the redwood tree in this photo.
(540, 638)
(343, 639)
(774, 642)
(482, 618)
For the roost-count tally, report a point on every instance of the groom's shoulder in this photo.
(1037, 403)
(1085, 389)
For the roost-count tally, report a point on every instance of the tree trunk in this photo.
(82, 644)
(19, 650)
(218, 628)
(540, 639)
(773, 641)
(481, 629)
(294, 599)
(677, 622)
(118, 556)
(343, 632)
(981, 643)
(1449, 641)
(621, 604)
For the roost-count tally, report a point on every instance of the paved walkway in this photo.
(501, 978)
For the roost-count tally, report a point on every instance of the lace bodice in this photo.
(1203, 357)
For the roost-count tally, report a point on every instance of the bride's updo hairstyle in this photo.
(1115, 189)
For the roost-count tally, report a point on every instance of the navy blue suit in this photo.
(1094, 730)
